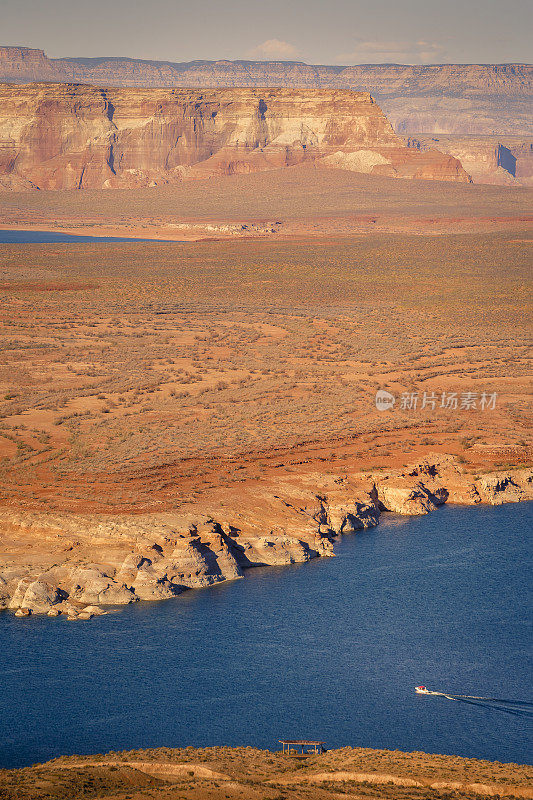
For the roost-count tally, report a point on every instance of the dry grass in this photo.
(136, 374)
(248, 773)
(300, 192)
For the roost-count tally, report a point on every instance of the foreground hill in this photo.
(244, 773)
(434, 98)
(67, 136)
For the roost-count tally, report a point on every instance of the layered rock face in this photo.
(26, 65)
(501, 161)
(435, 98)
(73, 565)
(63, 136)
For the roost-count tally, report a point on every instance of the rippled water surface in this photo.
(330, 650)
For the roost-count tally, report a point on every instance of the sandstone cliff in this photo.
(74, 564)
(65, 136)
(498, 160)
(435, 98)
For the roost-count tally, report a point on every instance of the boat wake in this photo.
(518, 708)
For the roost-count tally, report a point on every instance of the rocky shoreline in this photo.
(73, 565)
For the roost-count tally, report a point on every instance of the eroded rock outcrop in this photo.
(93, 586)
(40, 596)
(146, 581)
(504, 487)
(403, 496)
(96, 561)
(4, 594)
(497, 160)
(68, 136)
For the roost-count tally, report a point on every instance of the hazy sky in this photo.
(315, 31)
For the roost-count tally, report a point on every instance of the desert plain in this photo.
(174, 412)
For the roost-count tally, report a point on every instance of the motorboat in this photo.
(422, 690)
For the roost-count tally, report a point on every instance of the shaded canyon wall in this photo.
(65, 136)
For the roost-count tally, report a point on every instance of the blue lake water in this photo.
(329, 650)
(49, 237)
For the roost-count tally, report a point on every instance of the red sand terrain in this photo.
(174, 413)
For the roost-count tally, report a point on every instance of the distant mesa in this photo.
(482, 99)
(72, 136)
(499, 160)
